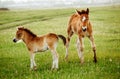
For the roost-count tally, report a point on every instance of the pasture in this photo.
(15, 61)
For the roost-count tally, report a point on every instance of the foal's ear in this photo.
(87, 11)
(78, 12)
(20, 27)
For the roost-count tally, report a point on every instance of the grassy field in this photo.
(14, 58)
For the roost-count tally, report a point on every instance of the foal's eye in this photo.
(19, 34)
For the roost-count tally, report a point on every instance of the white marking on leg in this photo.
(66, 55)
(33, 64)
(67, 46)
(34, 59)
(53, 64)
(55, 57)
(56, 62)
(80, 47)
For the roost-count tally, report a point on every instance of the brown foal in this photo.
(36, 43)
(80, 24)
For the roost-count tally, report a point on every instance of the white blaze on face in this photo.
(83, 19)
(84, 27)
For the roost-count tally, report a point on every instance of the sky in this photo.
(17, 1)
(53, 3)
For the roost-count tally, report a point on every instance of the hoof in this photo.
(66, 59)
(95, 60)
(35, 68)
(81, 62)
(54, 69)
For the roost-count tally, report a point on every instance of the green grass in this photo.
(14, 58)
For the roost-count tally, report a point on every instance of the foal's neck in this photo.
(28, 38)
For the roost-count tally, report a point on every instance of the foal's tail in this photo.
(63, 39)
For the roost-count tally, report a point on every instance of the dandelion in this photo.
(110, 60)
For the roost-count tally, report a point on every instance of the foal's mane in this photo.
(83, 12)
(30, 32)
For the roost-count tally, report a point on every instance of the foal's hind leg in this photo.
(80, 47)
(33, 64)
(93, 47)
(70, 33)
(55, 57)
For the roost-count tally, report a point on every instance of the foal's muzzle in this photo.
(14, 40)
(84, 29)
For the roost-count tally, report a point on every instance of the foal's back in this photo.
(48, 40)
(74, 23)
(51, 39)
(74, 19)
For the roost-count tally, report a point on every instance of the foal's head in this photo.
(84, 18)
(19, 34)
(22, 33)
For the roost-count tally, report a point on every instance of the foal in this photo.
(36, 43)
(79, 24)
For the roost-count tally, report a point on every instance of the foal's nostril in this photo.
(14, 40)
(84, 29)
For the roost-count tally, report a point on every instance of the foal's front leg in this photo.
(93, 47)
(70, 33)
(80, 47)
(32, 64)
